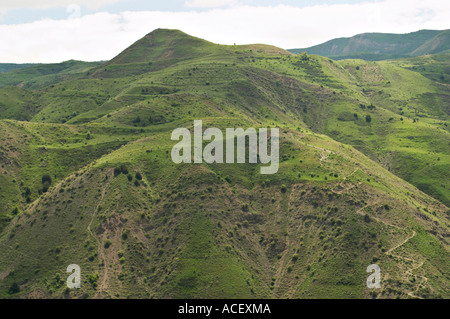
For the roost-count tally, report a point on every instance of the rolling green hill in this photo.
(382, 46)
(435, 67)
(36, 76)
(5, 67)
(86, 177)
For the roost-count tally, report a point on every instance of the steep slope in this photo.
(397, 117)
(142, 226)
(29, 151)
(382, 46)
(439, 43)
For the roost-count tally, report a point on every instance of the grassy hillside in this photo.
(400, 119)
(41, 75)
(87, 176)
(5, 67)
(435, 67)
(19, 104)
(382, 46)
(141, 226)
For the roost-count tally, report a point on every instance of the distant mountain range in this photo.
(382, 46)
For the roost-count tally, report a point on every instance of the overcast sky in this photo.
(93, 30)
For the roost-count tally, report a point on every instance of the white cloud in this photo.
(102, 36)
(210, 3)
(43, 4)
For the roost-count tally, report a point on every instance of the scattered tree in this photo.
(14, 289)
(46, 182)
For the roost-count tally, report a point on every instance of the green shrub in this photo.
(46, 182)
(15, 211)
(46, 178)
(107, 243)
(14, 289)
(121, 169)
(93, 280)
(117, 171)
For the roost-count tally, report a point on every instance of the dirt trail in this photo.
(323, 156)
(352, 173)
(389, 252)
(279, 272)
(103, 286)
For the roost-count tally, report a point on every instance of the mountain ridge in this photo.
(382, 46)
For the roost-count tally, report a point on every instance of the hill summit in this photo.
(163, 44)
(162, 48)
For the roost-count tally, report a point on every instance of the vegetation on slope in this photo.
(88, 178)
